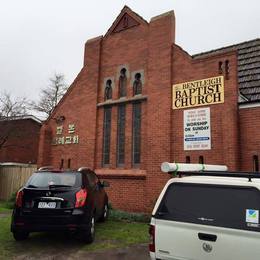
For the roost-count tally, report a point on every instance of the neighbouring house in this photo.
(19, 139)
(140, 100)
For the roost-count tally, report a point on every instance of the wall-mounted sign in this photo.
(197, 129)
(198, 93)
(70, 138)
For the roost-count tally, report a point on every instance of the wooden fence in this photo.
(12, 177)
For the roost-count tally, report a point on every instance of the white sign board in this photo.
(197, 129)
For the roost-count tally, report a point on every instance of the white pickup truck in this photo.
(210, 217)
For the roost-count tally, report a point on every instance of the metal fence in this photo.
(12, 177)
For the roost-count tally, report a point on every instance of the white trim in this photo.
(249, 105)
(34, 118)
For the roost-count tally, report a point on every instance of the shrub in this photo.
(127, 216)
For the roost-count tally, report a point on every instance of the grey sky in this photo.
(40, 37)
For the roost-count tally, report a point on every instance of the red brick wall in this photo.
(78, 106)
(128, 48)
(158, 148)
(249, 136)
(23, 141)
(224, 117)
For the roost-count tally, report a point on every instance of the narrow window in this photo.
(122, 83)
(220, 67)
(108, 90)
(106, 135)
(137, 86)
(69, 163)
(201, 160)
(61, 163)
(121, 135)
(255, 163)
(227, 69)
(187, 159)
(136, 141)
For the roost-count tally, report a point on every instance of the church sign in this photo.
(197, 133)
(198, 93)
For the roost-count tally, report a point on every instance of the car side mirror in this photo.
(105, 184)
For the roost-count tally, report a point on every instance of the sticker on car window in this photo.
(252, 216)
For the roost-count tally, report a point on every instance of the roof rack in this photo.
(187, 169)
(249, 175)
(191, 167)
(45, 168)
(83, 168)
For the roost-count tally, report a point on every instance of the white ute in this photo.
(212, 216)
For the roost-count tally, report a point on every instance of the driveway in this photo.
(137, 252)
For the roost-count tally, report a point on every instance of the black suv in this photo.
(60, 201)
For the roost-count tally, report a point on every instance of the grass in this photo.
(5, 207)
(111, 234)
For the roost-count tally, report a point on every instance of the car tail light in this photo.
(152, 238)
(19, 199)
(81, 197)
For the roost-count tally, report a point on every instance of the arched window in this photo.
(106, 135)
(137, 86)
(121, 120)
(220, 67)
(122, 83)
(227, 69)
(136, 134)
(108, 90)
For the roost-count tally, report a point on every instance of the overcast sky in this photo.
(41, 37)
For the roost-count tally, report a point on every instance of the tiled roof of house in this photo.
(248, 66)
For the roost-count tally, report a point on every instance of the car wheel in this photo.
(105, 213)
(88, 235)
(19, 235)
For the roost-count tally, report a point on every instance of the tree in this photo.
(51, 95)
(10, 108)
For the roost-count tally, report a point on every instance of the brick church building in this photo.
(140, 100)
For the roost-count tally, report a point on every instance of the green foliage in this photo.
(126, 216)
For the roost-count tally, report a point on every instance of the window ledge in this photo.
(121, 174)
(109, 102)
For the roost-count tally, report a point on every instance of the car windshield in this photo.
(52, 179)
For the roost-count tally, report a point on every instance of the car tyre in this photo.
(19, 235)
(105, 213)
(88, 234)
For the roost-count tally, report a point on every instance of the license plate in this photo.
(47, 205)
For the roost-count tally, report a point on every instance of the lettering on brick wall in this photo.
(198, 93)
(65, 136)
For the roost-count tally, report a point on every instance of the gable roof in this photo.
(126, 11)
(248, 67)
